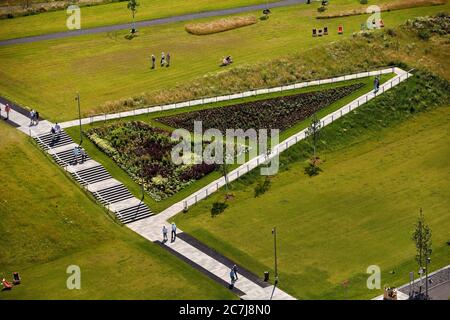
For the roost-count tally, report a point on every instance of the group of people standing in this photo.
(34, 118)
(55, 132)
(7, 111)
(164, 62)
(79, 151)
(173, 234)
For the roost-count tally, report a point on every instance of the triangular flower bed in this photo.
(275, 113)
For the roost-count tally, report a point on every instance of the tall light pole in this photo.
(427, 262)
(79, 117)
(274, 232)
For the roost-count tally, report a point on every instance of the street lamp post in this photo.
(428, 260)
(79, 116)
(274, 232)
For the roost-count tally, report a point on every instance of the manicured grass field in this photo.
(158, 206)
(46, 75)
(109, 14)
(47, 223)
(359, 211)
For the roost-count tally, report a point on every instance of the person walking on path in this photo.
(83, 154)
(174, 232)
(58, 130)
(53, 132)
(163, 59)
(76, 152)
(7, 110)
(232, 279)
(36, 117)
(32, 115)
(376, 84)
(164, 231)
(168, 59)
(153, 61)
(235, 270)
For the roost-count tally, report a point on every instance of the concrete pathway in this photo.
(147, 23)
(203, 261)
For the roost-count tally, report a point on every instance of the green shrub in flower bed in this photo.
(276, 113)
(144, 153)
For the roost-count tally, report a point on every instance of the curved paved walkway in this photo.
(146, 23)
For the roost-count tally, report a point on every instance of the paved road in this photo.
(439, 285)
(440, 292)
(146, 23)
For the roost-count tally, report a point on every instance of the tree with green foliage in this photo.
(133, 5)
(422, 239)
(312, 169)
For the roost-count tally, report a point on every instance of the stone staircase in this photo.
(90, 174)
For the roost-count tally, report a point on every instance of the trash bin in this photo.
(266, 276)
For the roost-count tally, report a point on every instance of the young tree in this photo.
(313, 132)
(132, 5)
(422, 239)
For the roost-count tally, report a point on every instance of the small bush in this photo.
(262, 187)
(391, 32)
(424, 35)
(218, 208)
(312, 169)
(363, 1)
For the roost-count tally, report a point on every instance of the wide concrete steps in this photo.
(113, 194)
(135, 213)
(95, 178)
(47, 141)
(91, 175)
(67, 157)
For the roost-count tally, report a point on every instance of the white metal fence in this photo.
(206, 100)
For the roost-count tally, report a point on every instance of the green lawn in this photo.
(46, 75)
(111, 13)
(378, 170)
(47, 223)
(158, 206)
